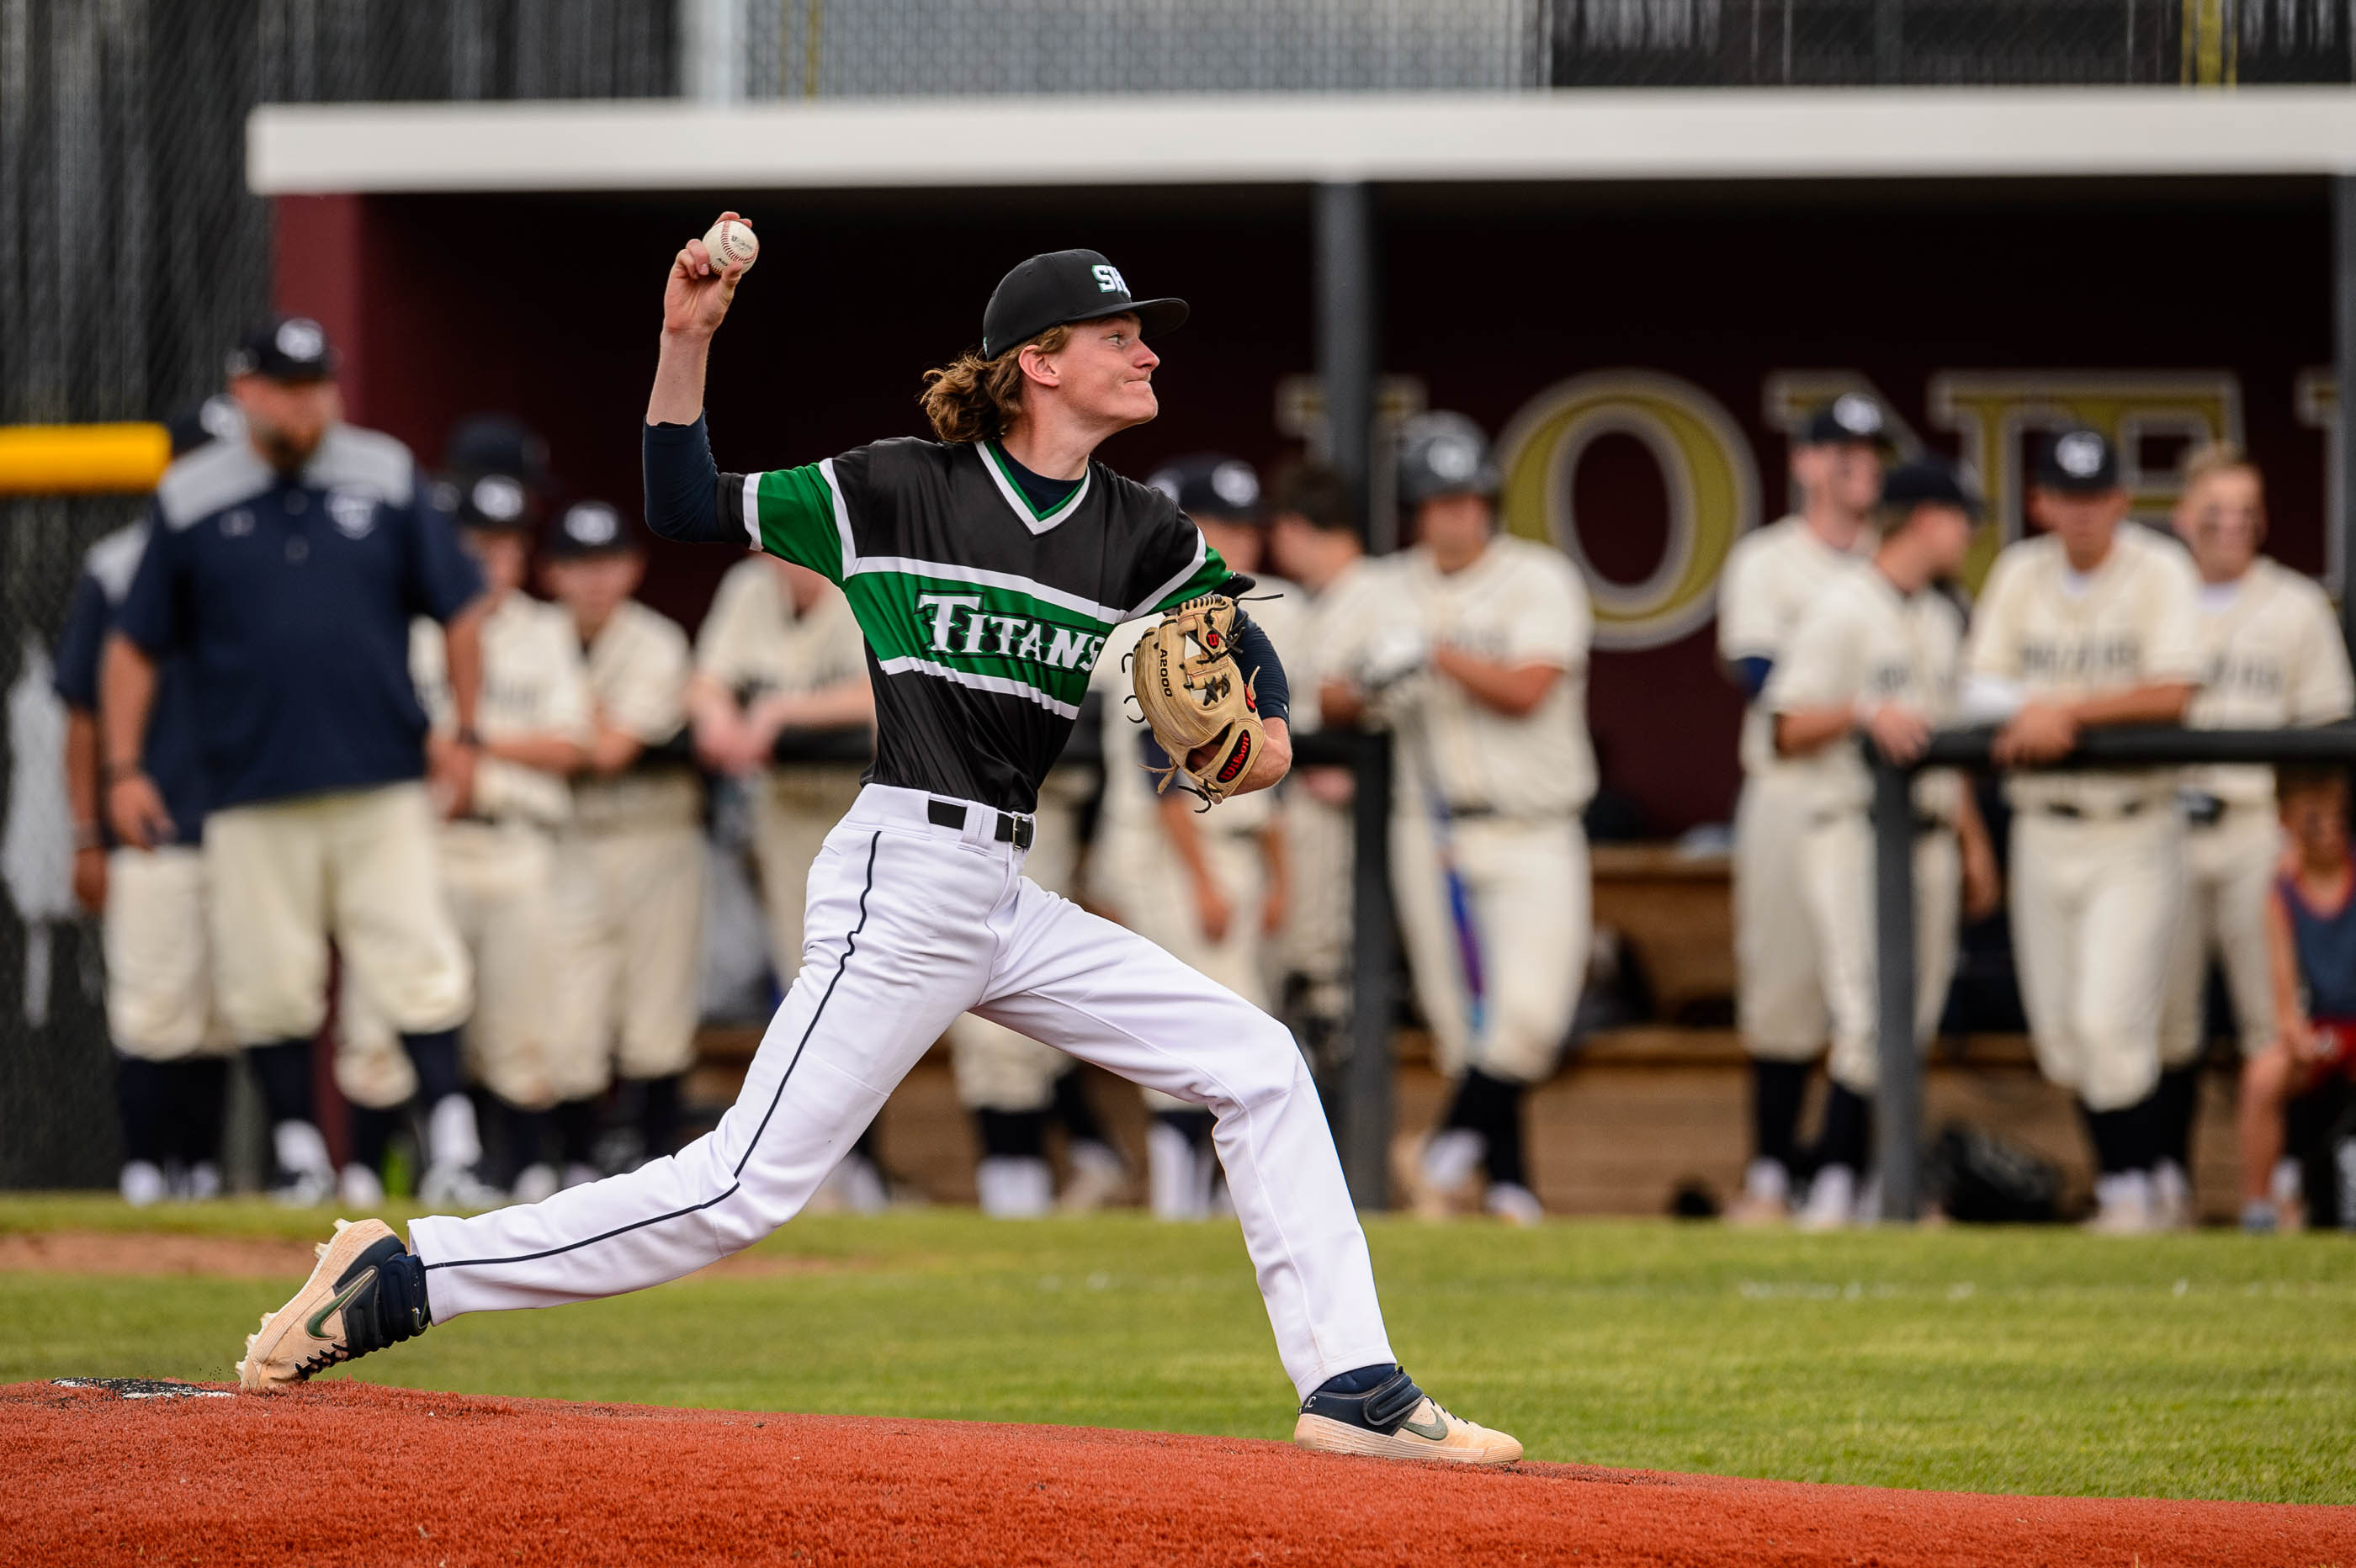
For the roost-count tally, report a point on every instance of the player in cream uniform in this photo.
(630, 863)
(1772, 576)
(1876, 655)
(778, 652)
(1493, 766)
(2271, 655)
(497, 852)
(1313, 542)
(2091, 624)
(1207, 886)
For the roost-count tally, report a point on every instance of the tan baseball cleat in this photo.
(1397, 1421)
(366, 1292)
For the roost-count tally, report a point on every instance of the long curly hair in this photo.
(971, 397)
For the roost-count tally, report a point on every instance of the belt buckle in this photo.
(2201, 809)
(1014, 829)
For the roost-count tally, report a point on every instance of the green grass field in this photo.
(2207, 1366)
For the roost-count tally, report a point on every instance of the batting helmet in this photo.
(1445, 454)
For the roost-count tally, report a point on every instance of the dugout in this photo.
(1640, 290)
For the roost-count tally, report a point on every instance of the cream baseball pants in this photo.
(2094, 925)
(1779, 976)
(1836, 860)
(2229, 870)
(909, 924)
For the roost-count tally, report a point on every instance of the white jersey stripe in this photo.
(1112, 614)
(997, 683)
(842, 517)
(750, 504)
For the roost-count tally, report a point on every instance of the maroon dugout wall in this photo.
(1644, 344)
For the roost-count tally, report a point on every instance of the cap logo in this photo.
(299, 337)
(2079, 454)
(497, 499)
(1856, 413)
(1234, 483)
(1453, 460)
(592, 524)
(1108, 279)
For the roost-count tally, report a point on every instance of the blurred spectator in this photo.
(2095, 622)
(285, 566)
(172, 1044)
(2311, 957)
(2271, 655)
(630, 863)
(1485, 679)
(1772, 576)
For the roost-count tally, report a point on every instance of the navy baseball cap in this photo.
(1927, 482)
(587, 528)
(2079, 462)
(216, 419)
(1852, 417)
(289, 348)
(1444, 453)
(1212, 484)
(1061, 287)
(496, 443)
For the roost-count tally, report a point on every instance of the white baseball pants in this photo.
(1837, 888)
(909, 924)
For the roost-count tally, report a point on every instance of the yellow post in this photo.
(82, 459)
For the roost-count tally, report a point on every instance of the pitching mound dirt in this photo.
(353, 1474)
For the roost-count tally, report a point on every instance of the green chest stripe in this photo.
(978, 629)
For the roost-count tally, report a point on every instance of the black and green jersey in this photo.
(983, 615)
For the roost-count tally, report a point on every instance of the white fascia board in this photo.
(1723, 133)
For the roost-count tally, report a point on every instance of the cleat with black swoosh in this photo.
(1396, 1420)
(366, 1292)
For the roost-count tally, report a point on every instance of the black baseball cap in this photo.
(1212, 484)
(1852, 417)
(587, 528)
(1061, 287)
(2080, 462)
(285, 348)
(1926, 482)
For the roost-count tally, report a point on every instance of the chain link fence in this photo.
(130, 254)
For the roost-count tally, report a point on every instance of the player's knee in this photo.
(2116, 1078)
(1268, 1074)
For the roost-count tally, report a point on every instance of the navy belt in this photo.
(1012, 829)
(2071, 811)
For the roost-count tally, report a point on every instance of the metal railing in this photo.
(1898, 1108)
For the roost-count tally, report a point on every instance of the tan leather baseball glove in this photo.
(1203, 710)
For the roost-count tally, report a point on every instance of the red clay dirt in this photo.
(349, 1473)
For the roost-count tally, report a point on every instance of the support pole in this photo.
(1345, 230)
(1898, 1108)
(1345, 340)
(1367, 1078)
(2343, 285)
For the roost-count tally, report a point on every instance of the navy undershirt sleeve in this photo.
(1255, 657)
(683, 486)
(1751, 674)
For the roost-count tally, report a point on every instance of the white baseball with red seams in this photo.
(730, 241)
(909, 924)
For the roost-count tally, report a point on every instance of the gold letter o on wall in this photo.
(1706, 465)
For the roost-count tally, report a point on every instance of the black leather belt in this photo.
(1012, 829)
(2072, 812)
(1925, 823)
